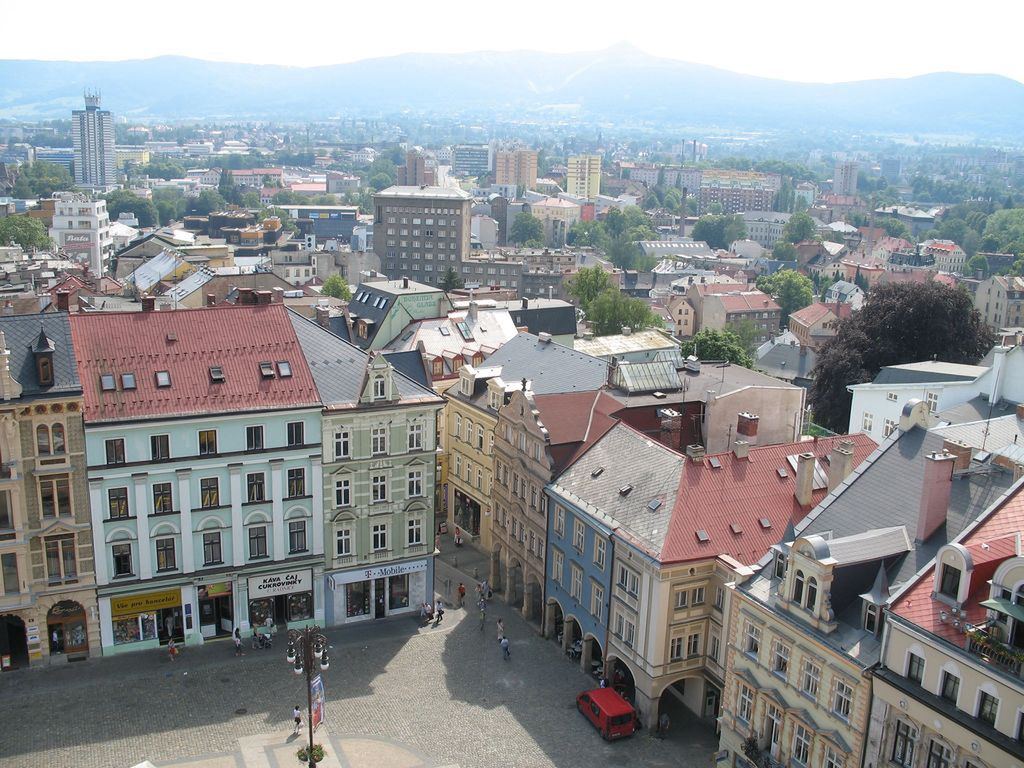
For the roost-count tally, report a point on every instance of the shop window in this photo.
(254, 438)
(207, 442)
(165, 559)
(61, 563)
(256, 486)
(296, 434)
(257, 541)
(117, 503)
(122, 554)
(209, 490)
(160, 447)
(357, 599)
(300, 606)
(343, 542)
(415, 532)
(297, 536)
(398, 592)
(55, 495)
(212, 549)
(115, 450)
(296, 482)
(162, 501)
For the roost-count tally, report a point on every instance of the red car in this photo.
(612, 715)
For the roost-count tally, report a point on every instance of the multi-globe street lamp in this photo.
(306, 647)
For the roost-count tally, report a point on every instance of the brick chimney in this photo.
(746, 427)
(962, 451)
(804, 479)
(246, 296)
(840, 464)
(277, 295)
(148, 303)
(695, 453)
(935, 490)
(63, 301)
(263, 297)
(323, 316)
(211, 299)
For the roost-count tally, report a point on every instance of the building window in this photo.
(676, 649)
(950, 584)
(988, 708)
(415, 483)
(165, 559)
(560, 521)
(682, 599)
(842, 700)
(379, 488)
(867, 422)
(752, 639)
(61, 563)
(115, 450)
(629, 581)
(714, 647)
(556, 562)
(600, 546)
(625, 630)
(415, 437)
(256, 486)
(50, 440)
(257, 541)
(254, 438)
(693, 645)
(939, 755)
(746, 704)
(719, 598)
(342, 444)
(342, 492)
(297, 536)
(698, 596)
(903, 745)
(597, 601)
(209, 492)
(160, 447)
(379, 388)
(833, 759)
(915, 668)
(122, 554)
(207, 442)
(780, 658)
(379, 441)
(932, 399)
(798, 588)
(812, 594)
(380, 537)
(296, 434)
(801, 744)
(415, 532)
(950, 687)
(577, 535)
(343, 542)
(117, 503)
(891, 397)
(55, 496)
(888, 427)
(296, 482)
(576, 581)
(211, 548)
(810, 678)
(162, 498)
(871, 617)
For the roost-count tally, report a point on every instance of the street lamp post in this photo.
(306, 647)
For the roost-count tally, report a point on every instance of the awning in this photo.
(1004, 606)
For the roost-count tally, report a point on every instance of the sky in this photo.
(789, 39)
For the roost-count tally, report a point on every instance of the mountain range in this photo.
(619, 84)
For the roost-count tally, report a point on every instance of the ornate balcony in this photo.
(982, 643)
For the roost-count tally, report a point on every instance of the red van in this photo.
(611, 714)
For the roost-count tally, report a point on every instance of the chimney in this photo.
(998, 373)
(148, 303)
(323, 316)
(543, 337)
(474, 310)
(962, 452)
(740, 449)
(746, 426)
(211, 299)
(63, 301)
(405, 282)
(840, 464)
(263, 297)
(245, 296)
(695, 453)
(935, 490)
(804, 478)
(526, 303)
(277, 295)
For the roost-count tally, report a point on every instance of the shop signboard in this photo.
(380, 572)
(220, 589)
(133, 605)
(77, 242)
(280, 584)
(316, 689)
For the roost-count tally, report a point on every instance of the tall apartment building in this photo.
(738, 191)
(81, 226)
(416, 172)
(844, 178)
(516, 167)
(421, 231)
(584, 176)
(471, 160)
(92, 135)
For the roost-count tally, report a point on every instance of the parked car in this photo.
(612, 715)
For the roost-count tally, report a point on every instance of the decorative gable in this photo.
(379, 386)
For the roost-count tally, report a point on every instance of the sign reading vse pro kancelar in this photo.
(280, 584)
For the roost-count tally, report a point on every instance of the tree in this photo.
(380, 181)
(588, 234)
(24, 232)
(719, 231)
(895, 228)
(976, 264)
(1004, 231)
(40, 179)
(899, 323)
(228, 189)
(800, 227)
(336, 286)
(710, 344)
(588, 284)
(451, 281)
(123, 201)
(170, 205)
(612, 311)
(784, 251)
(790, 289)
(162, 169)
(527, 230)
(208, 201)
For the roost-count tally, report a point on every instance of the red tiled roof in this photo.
(740, 493)
(574, 421)
(998, 530)
(186, 343)
(708, 289)
(751, 301)
(809, 315)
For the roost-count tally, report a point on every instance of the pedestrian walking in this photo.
(438, 612)
(462, 594)
(238, 641)
(504, 648)
(255, 638)
(501, 629)
(297, 716)
(485, 590)
(663, 724)
(172, 649)
(482, 607)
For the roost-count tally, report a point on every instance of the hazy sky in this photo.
(791, 39)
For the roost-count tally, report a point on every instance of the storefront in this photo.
(284, 598)
(467, 513)
(146, 620)
(361, 594)
(216, 612)
(66, 629)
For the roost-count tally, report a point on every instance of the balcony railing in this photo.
(992, 651)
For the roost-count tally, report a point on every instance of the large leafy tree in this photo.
(587, 284)
(24, 232)
(123, 201)
(790, 289)
(899, 323)
(799, 227)
(527, 229)
(719, 231)
(41, 179)
(711, 344)
(1004, 231)
(209, 200)
(610, 312)
(336, 286)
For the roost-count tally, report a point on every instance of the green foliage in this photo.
(895, 228)
(336, 286)
(165, 169)
(24, 232)
(41, 179)
(790, 289)
(800, 227)
(710, 344)
(287, 222)
(287, 197)
(584, 234)
(451, 281)
(170, 205)
(380, 181)
(207, 202)
(899, 323)
(228, 189)
(587, 284)
(976, 264)
(719, 231)
(610, 312)
(527, 230)
(784, 251)
(123, 201)
(1004, 231)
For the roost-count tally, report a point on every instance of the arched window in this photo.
(43, 440)
(798, 587)
(812, 594)
(57, 438)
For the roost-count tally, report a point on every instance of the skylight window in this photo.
(597, 472)
(163, 378)
(715, 463)
(653, 505)
(445, 331)
(267, 369)
(765, 523)
(702, 537)
(284, 369)
(107, 382)
(216, 374)
(624, 490)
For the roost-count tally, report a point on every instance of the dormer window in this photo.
(950, 583)
(812, 594)
(871, 618)
(798, 588)
(44, 369)
(379, 388)
(267, 369)
(216, 374)
(780, 565)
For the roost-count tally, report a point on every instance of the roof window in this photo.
(624, 490)
(702, 537)
(715, 463)
(107, 382)
(765, 523)
(736, 528)
(163, 378)
(284, 369)
(267, 369)
(597, 472)
(653, 505)
(216, 374)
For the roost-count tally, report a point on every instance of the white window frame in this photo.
(343, 541)
(380, 537)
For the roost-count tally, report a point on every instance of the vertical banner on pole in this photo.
(316, 687)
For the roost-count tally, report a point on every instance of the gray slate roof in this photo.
(976, 409)
(920, 373)
(550, 367)
(22, 334)
(410, 365)
(785, 362)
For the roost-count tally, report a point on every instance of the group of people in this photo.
(433, 612)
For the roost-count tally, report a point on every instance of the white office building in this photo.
(81, 228)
